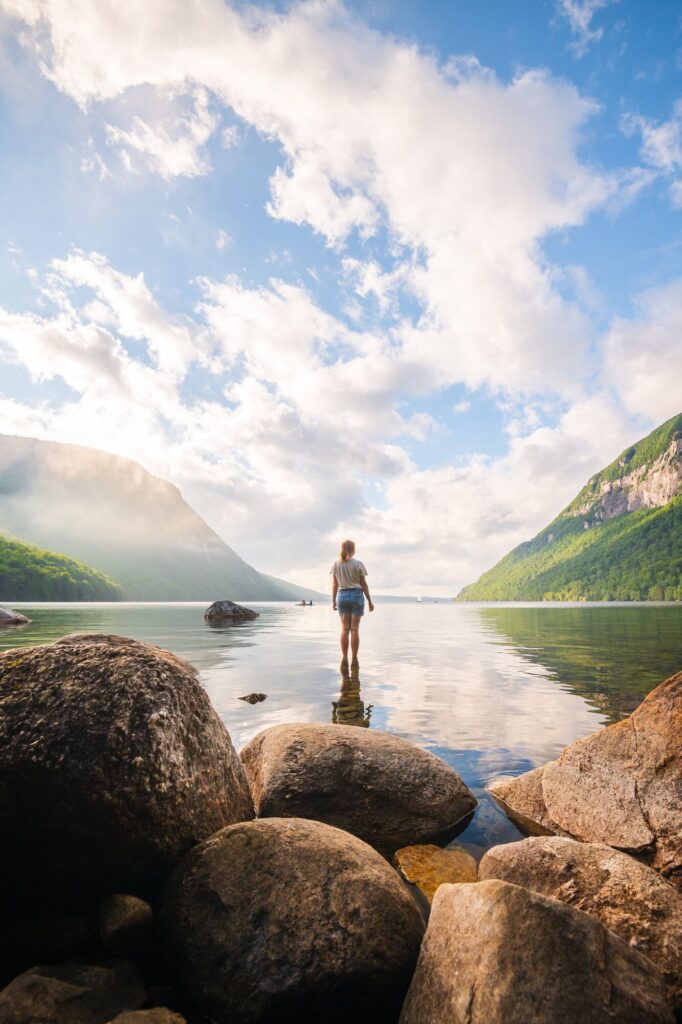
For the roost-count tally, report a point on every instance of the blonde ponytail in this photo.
(347, 550)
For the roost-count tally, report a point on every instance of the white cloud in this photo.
(661, 146)
(127, 303)
(222, 240)
(463, 406)
(171, 149)
(579, 14)
(373, 134)
(643, 355)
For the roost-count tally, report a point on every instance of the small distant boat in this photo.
(419, 600)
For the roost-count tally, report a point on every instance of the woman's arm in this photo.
(366, 593)
(335, 587)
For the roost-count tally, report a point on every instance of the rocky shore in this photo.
(151, 875)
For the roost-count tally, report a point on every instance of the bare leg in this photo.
(345, 633)
(355, 637)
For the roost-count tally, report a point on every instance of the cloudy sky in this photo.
(405, 270)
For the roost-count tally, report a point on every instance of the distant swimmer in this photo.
(349, 590)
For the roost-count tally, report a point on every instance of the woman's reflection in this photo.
(349, 709)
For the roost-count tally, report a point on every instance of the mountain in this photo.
(28, 573)
(620, 539)
(111, 513)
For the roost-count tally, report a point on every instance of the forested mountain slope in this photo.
(29, 573)
(620, 539)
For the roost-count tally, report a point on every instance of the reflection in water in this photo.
(349, 709)
(611, 656)
(492, 690)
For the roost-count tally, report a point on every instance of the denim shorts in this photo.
(351, 601)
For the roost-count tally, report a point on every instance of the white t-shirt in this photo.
(349, 573)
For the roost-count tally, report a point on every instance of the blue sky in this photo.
(409, 271)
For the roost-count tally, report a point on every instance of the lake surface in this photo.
(494, 689)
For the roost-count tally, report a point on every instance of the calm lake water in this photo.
(494, 690)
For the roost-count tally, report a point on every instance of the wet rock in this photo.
(71, 993)
(622, 786)
(30, 939)
(11, 618)
(523, 802)
(114, 748)
(157, 1015)
(227, 612)
(379, 787)
(427, 867)
(632, 900)
(126, 924)
(495, 953)
(254, 698)
(283, 919)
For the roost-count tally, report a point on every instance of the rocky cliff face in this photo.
(651, 485)
(620, 539)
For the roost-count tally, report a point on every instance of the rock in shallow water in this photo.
(227, 612)
(629, 898)
(622, 786)
(377, 786)
(11, 618)
(113, 747)
(495, 953)
(427, 867)
(283, 919)
(72, 993)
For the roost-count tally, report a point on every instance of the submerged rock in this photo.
(495, 953)
(227, 612)
(72, 993)
(115, 748)
(283, 919)
(622, 786)
(377, 786)
(125, 925)
(427, 867)
(254, 698)
(632, 901)
(11, 618)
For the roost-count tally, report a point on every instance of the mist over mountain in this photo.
(619, 539)
(110, 513)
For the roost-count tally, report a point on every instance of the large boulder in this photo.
(112, 764)
(622, 786)
(12, 618)
(226, 612)
(72, 993)
(495, 953)
(632, 901)
(283, 919)
(377, 786)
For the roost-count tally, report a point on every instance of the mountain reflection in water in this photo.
(493, 690)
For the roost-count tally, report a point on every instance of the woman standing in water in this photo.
(349, 589)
